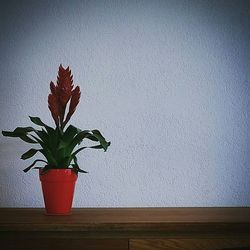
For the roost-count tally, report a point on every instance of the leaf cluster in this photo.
(57, 146)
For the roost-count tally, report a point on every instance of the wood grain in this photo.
(127, 215)
(129, 222)
(64, 244)
(188, 244)
(125, 228)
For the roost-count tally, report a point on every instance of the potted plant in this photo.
(58, 145)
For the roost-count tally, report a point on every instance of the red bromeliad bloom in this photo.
(61, 94)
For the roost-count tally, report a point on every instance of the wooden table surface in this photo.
(126, 229)
(129, 220)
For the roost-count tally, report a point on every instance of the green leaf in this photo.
(100, 146)
(76, 166)
(21, 132)
(70, 133)
(33, 164)
(54, 137)
(49, 156)
(10, 134)
(27, 139)
(67, 138)
(77, 169)
(49, 141)
(18, 131)
(20, 135)
(45, 169)
(37, 121)
(86, 134)
(24, 130)
(78, 150)
(66, 162)
(91, 137)
(29, 153)
(36, 138)
(77, 139)
(94, 147)
(101, 139)
(43, 135)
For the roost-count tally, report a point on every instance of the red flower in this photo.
(75, 98)
(61, 94)
(54, 108)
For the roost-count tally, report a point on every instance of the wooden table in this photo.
(126, 228)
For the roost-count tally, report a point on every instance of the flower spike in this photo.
(61, 94)
(73, 103)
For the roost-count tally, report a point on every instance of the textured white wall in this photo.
(166, 81)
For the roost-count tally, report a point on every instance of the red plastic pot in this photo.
(58, 187)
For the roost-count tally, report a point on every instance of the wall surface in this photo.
(167, 82)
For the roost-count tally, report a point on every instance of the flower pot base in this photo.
(57, 214)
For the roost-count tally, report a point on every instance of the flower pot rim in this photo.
(58, 175)
(58, 170)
